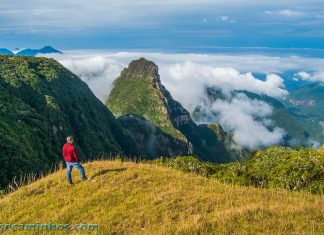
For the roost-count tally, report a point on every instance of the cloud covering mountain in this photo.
(187, 75)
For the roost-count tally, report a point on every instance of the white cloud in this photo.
(225, 18)
(318, 76)
(285, 12)
(194, 77)
(246, 119)
(290, 13)
(304, 75)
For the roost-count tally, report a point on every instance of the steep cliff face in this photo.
(139, 91)
(41, 102)
(152, 140)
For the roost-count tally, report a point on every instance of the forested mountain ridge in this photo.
(41, 102)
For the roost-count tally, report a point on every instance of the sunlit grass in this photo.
(138, 198)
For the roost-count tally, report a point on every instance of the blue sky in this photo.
(72, 24)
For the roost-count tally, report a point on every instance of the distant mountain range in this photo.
(30, 52)
(4, 51)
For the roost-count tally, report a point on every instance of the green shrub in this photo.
(187, 164)
(279, 167)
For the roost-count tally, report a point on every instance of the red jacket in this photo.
(69, 153)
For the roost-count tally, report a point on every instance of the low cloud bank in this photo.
(248, 120)
(317, 76)
(187, 75)
(192, 79)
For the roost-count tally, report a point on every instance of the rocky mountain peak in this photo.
(139, 91)
(142, 68)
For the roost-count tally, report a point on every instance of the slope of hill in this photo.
(41, 102)
(129, 198)
(4, 51)
(34, 52)
(138, 91)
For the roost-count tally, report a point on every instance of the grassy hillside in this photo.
(41, 103)
(130, 198)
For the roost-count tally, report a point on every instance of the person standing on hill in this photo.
(72, 160)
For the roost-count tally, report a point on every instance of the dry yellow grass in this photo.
(137, 198)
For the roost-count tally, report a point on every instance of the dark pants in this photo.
(77, 165)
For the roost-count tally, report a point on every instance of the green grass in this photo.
(138, 198)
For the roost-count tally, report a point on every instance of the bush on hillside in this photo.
(187, 164)
(275, 167)
(279, 167)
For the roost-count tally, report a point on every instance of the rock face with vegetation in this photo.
(152, 141)
(41, 102)
(139, 91)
